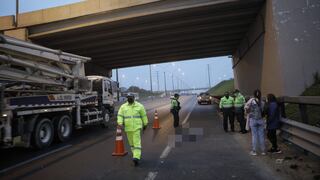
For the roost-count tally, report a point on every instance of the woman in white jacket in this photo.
(254, 108)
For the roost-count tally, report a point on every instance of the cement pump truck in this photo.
(44, 95)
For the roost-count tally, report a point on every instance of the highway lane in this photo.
(198, 150)
(84, 146)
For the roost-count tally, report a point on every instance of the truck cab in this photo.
(107, 91)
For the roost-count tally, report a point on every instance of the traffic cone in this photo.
(119, 145)
(156, 121)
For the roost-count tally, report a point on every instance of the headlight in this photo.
(4, 115)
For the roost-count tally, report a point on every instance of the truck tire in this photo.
(43, 134)
(62, 128)
(106, 118)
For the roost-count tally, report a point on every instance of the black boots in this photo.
(136, 161)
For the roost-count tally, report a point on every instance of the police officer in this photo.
(175, 108)
(226, 106)
(132, 115)
(239, 102)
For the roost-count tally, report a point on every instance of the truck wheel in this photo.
(43, 133)
(62, 128)
(106, 118)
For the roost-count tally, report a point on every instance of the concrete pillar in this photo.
(280, 52)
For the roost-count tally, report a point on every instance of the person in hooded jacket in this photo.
(272, 112)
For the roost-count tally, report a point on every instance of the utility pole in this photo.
(118, 85)
(150, 78)
(17, 13)
(172, 82)
(178, 85)
(165, 83)
(209, 76)
(158, 81)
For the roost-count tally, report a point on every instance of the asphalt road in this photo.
(200, 149)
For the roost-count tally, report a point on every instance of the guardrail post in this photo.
(303, 113)
(282, 108)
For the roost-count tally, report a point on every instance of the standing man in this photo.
(175, 108)
(239, 103)
(132, 115)
(226, 106)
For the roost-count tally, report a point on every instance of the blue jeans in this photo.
(257, 131)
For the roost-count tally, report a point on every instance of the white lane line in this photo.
(187, 117)
(165, 152)
(35, 158)
(151, 176)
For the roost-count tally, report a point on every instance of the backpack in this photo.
(255, 110)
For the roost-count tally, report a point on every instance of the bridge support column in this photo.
(279, 54)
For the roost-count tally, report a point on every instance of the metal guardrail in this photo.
(301, 134)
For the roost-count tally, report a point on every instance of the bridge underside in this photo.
(207, 29)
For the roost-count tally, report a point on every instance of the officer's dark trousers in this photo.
(228, 114)
(175, 114)
(240, 117)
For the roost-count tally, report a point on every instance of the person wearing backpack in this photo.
(272, 111)
(254, 108)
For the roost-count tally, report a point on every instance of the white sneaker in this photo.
(253, 153)
(263, 153)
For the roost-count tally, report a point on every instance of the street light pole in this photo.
(172, 82)
(165, 83)
(150, 78)
(209, 76)
(158, 81)
(118, 85)
(17, 13)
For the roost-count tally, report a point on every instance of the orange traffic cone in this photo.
(156, 121)
(119, 145)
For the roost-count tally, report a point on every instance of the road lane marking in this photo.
(165, 152)
(151, 176)
(35, 158)
(187, 117)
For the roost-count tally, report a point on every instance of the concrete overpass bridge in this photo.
(273, 43)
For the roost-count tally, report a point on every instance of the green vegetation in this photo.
(313, 112)
(222, 87)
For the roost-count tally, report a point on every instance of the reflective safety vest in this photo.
(175, 104)
(132, 116)
(239, 101)
(226, 103)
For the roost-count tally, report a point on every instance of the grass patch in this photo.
(222, 87)
(313, 112)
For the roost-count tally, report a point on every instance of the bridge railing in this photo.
(300, 133)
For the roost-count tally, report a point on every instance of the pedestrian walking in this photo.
(272, 111)
(239, 102)
(254, 108)
(226, 105)
(132, 116)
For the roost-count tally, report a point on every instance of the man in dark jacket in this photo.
(273, 122)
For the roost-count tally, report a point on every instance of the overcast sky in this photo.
(188, 74)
